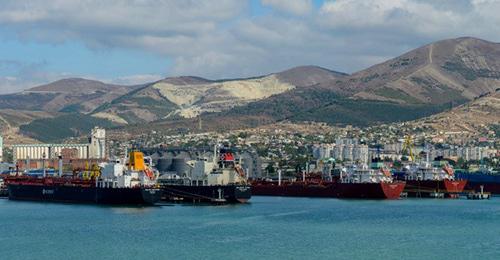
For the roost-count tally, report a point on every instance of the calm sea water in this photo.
(267, 228)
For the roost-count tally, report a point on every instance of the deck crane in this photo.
(408, 147)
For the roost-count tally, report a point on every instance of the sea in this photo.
(265, 228)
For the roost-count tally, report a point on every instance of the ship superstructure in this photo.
(114, 182)
(220, 179)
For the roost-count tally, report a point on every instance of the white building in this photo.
(346, 141)
(323, 151)
(360, 153)
(351, 152)
(97, 146)
(95, 149)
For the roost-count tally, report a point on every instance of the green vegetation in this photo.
(402, 62)
(125, 105)
(469, 73)
(159, 107)
(73, 108)
(437, 92)
(61, 127)
(118, 100)
(396, 94)
(129, 116)
(367, 112)
(369, 78)
(496, 129)
(26, 101)
(328, 106)
(7, 155)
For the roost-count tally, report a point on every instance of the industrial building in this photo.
(95, 149)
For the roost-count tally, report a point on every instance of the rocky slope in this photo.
(417, 84)
(455, 70)
(475, 117)
(187, 97)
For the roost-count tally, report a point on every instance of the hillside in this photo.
(62, 127)
(41, 112)
(417, 84)
(66, 95)
(479, 116)
(420, 83)
(187, 97)
(455, 70)
(11, 120)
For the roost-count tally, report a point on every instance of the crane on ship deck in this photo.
(408, 147)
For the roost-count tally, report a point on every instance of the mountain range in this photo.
(422, 82)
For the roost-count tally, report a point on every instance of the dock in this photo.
(481, 195)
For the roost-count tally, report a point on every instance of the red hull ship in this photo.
(433, 181)
(426, 188)
(330, 190)
(353, 183)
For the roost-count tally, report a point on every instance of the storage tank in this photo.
(179, 166)
(163, 164)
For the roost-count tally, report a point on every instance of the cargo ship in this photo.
(220, 180)
(435, 180)
(487, 179)
(117, 182)
(354, 182)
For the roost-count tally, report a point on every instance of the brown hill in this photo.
(66, 95)
(474, 118)
(305, 76)
(454, 70)
(187, 97)
(417, 84)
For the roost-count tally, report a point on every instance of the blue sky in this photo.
(129, 42)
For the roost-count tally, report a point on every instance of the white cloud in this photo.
(223, 39)
(420, 18)
(297, 7)
(136, 79)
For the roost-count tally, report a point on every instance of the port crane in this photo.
(408, 147)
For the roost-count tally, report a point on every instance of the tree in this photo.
(461, 163)
(270, 168)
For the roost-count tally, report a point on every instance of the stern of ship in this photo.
(242, 193)
(455, 186)
(151, 196)
(393, 190)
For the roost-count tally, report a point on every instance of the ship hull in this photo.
(429, 188)
(333, 190)
(490, 182)
(370, 190)
(491, 187)
(211, 194)
(88, 195)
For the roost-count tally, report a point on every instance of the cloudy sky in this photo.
(136, 41)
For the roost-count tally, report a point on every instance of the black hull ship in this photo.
(220, 180)
(33, 191)
(133, 183)
(216, 193)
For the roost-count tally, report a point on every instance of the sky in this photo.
(139, 41)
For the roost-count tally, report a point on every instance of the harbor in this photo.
(220, 177)
(266, 228)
